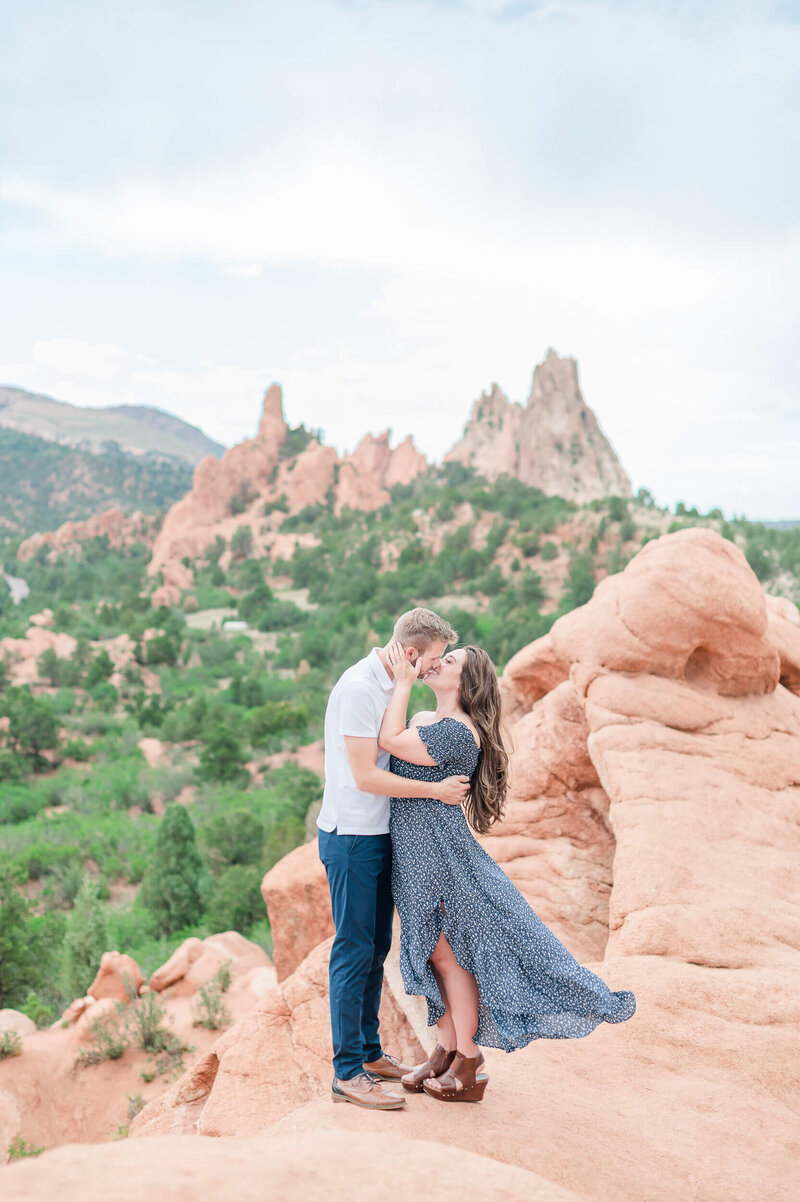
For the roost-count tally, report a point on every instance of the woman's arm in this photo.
(393, 737)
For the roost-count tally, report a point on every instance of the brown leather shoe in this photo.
(388, 1068)
(439, 1062)
(364, 1090)
(461, 1082)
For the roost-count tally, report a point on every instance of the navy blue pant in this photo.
(359, 870)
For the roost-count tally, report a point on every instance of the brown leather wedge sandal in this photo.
(461, 1083)
(439, 1062)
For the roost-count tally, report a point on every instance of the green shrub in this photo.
(19, 1148)
(99, 669)
(209, 1009)
(108, 1039)
(147, 1024)
(162, 649)
(274, 718)
(235, 837)
(237, 902)
(549, 551)
(10, 1044)
(38, 1010)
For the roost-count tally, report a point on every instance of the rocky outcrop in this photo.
(373, 468)
(296, 895)
(198, 961)
(254, 486)
(48, 1098)
(120, 529)
(276, 1059)
(554, 443)
(317, 1167)
(119, 978)
(21, 655)
(242, 473)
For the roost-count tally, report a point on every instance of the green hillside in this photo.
(131, 429)
(43, 483)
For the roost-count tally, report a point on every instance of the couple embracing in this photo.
(401, 802)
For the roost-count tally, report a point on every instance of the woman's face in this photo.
(448, 673)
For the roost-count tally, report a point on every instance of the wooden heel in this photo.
(439, 1063)
(461, 1083)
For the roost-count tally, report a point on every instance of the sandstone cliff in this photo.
(244, 487)
(554, 443)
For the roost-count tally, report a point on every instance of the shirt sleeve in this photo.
(357, 713)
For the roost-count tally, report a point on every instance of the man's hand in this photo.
(452, 790)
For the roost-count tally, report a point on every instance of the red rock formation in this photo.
(250, 477)
(197, 961)
(22, 654)
(298, 902)
(244, 471)
(275, 1060)
(325, 1166)
(48, 1100)
(554, 443)
(120, 529)
(118, 977)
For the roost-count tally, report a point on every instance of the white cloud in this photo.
(244, 271)
(75, 357)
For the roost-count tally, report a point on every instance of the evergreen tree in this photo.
(30, 946)
(171, 886)
(86, 940)
(223, 756)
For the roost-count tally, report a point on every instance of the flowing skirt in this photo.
(530, 986)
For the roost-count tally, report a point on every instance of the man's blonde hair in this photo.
(420, 627)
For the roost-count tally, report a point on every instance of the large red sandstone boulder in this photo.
(299, 905)
(555, 841)
(119, 977)
(314, 1167)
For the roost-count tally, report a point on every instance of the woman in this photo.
(492, 973)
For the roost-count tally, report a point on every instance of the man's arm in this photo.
(363, 757)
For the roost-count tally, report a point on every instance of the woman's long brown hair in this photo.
(479, 694)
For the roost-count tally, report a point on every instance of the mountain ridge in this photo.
(129, 429)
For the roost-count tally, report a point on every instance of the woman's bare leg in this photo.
(461, 989)
(445, 1028)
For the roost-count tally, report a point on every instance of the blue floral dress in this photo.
(530, 986)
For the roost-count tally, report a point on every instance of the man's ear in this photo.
(411, 654)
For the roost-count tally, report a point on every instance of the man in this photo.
(355, 847)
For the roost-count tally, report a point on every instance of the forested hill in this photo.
(44, 483)
(133, 429)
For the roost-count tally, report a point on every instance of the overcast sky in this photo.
(387, 205)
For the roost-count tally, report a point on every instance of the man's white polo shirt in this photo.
(355, 707)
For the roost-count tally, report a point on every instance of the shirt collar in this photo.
(379, 672)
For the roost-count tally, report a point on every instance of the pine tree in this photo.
(86, 940)
(171, 884)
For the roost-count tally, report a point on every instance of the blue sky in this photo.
(386, 206)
